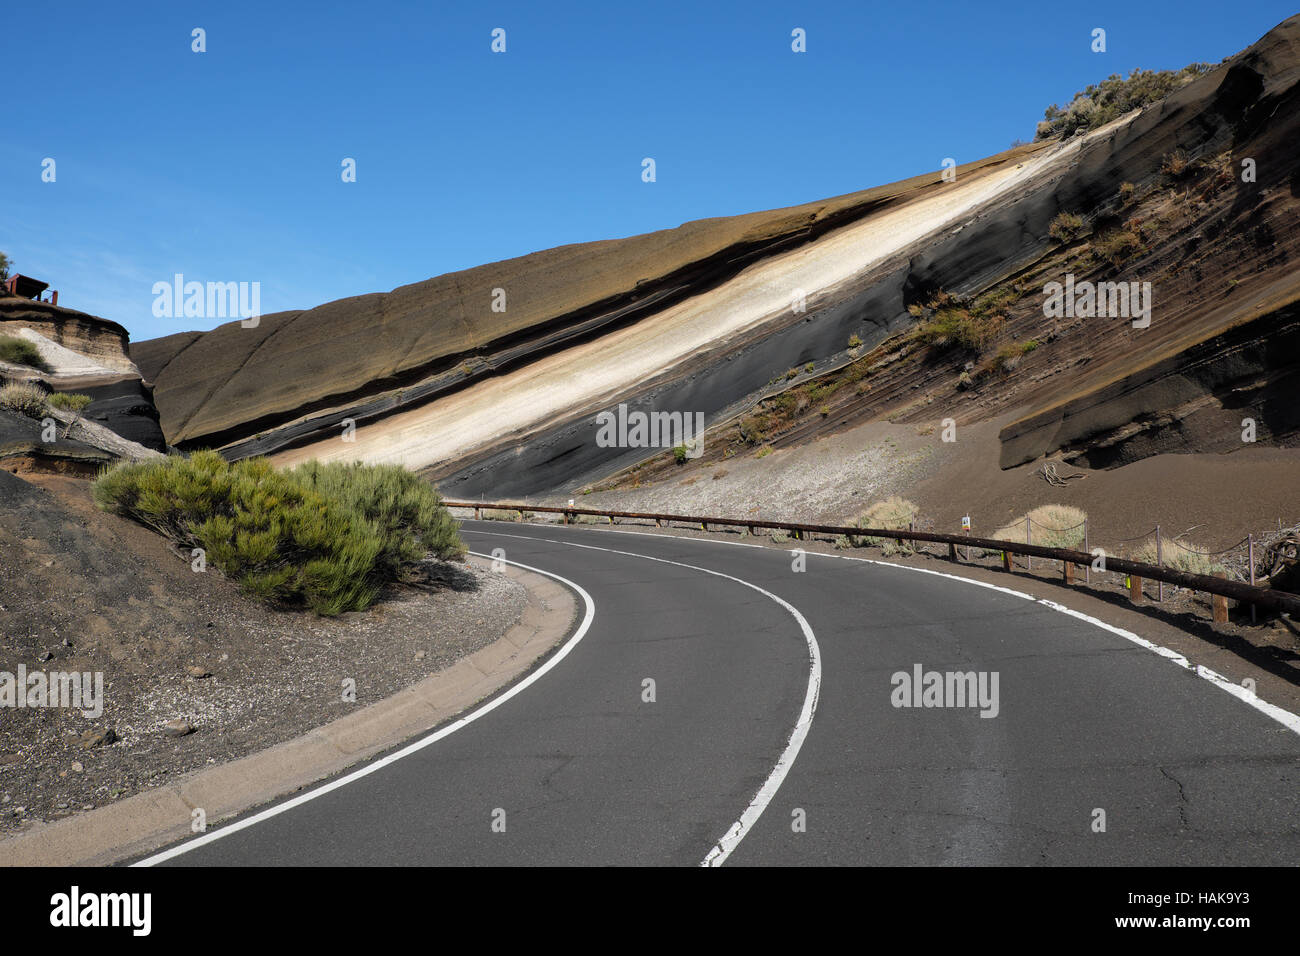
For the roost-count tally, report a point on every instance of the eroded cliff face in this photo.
(86, 355)
(295, 375)
(700, 319)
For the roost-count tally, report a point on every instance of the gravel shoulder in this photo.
(82, 591)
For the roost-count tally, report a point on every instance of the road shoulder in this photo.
(157, 817)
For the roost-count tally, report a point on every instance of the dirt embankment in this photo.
(84, 591)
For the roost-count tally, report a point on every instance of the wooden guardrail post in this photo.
(1250, 559)
(1219, 603)
(1006, 560)
(477, 513)
(1067, 572)
(952, 551)
(1135, 589)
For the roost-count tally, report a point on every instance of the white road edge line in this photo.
(1284, 717)
(409, 749)
(731, 839)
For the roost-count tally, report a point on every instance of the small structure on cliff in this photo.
(28, 288)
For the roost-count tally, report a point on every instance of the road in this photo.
(773, 735)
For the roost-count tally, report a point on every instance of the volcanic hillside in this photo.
(921, 301)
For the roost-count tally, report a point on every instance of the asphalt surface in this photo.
(582, 770)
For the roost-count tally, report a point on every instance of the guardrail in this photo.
(1136, 571)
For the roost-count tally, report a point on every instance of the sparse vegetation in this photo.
(23, 398)
(1114, 96)
(855, 342)
(1066, 227)
(1118, 246)
(327, 537)
(502, 514)
(679, 453)
(1176, 165)
(892, 514)
(764, 451)
(955, 327)
(1181, 555)
(1007, 358)
(18, 351)
(74, 402)
(1052, 526)
(1127, 194)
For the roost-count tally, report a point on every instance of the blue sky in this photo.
(225, 165)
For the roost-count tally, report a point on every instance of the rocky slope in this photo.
(83, 354)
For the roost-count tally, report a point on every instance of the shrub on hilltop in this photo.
(1113, 97)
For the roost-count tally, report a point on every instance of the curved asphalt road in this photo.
(587, 772)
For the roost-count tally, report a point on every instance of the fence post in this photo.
(1220, 604)
(1160, 563)
(1135, 589)
(952, 551)
(1087, 568)
(1067, 572)
(1006, 560)
(566, 517)
(1250, 556)
(1029, 558)
(659, 522)
(477, 513)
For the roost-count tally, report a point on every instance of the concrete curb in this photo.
(155, 818)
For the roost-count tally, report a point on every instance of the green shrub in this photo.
(21, 352)
(69, 401)
(1052, 526)
(330, 548)
(24, 398)
(892, 514)
(1066, 227)
(679, 454)
(855, 342)
(406, 511)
